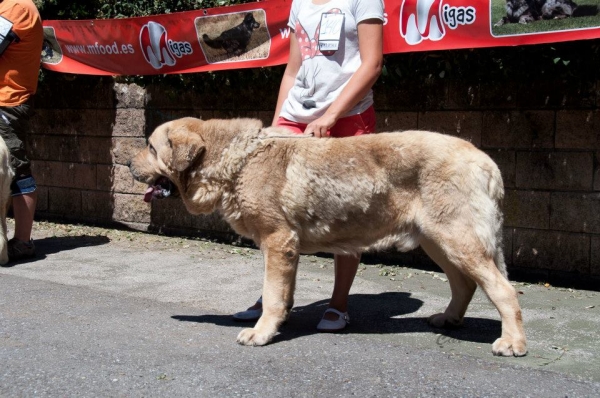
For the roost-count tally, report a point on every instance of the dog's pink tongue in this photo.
(148, 195)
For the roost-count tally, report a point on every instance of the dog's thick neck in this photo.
(208, 183)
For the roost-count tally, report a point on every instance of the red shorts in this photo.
(363, 123)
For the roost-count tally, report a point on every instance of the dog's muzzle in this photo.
(161, 189)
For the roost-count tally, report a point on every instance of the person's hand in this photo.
(320, 127)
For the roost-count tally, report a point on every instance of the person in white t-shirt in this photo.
(336, 55)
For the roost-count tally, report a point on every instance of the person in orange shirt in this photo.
(19, 68)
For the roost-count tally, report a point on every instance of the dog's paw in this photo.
(507, 348)
(252, 337)
(442, 320)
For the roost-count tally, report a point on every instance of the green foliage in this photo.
(99, 9)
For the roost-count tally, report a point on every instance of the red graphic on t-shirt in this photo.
(309, 47)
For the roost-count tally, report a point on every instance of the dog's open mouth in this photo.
(161, 189)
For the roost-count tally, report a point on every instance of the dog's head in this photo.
(250, 22)
(172, 149)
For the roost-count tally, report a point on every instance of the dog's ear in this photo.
(186, 147)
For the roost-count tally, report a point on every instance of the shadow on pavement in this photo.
(56, 244)
(369, 314)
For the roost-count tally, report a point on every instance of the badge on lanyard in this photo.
(331, 31)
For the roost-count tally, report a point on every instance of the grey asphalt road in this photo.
(112, 313)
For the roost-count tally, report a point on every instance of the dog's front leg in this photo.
(281, 264)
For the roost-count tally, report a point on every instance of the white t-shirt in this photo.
(322, 77)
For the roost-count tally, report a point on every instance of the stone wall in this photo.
(544, 135)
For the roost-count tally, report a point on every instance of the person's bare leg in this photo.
(24, 211)
(345, 270)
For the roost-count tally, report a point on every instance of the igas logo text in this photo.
(158, 49)
(427, 19)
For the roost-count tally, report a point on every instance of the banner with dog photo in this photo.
(256, 34)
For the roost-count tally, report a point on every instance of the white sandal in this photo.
(249, 315)
(334, 326)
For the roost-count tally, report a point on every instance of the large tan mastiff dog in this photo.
(296, 194)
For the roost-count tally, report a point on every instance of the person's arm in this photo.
(289, 76)
(370, 43)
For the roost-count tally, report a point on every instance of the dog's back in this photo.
(429, 183)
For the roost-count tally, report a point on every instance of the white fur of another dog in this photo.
(6, 176)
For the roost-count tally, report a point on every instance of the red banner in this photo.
(257, 35)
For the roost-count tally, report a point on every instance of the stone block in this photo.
(170, 212)
(64, 202)
(211, 222)
(104, 177)
(41, 147)
(578, 129)
(595, 266)
(528, 129)
(507, 245)
(527, 209)
(130, 208)
(65, 175)
(44, 172)
(566, 171)
(97, 205)
(130, 95)
(81, 176)
(396, 121)
(123, 182)
(92, 150)
(125, 149)
(66, 148)
(575, 212)
(506, 161)
(82, 122)
(41, 205)
(551, 250)
(129, 123)
(597, 172)
(466, 125)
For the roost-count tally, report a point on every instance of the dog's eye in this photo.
(152, 150)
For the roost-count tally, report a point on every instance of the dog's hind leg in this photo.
(461, 286)
(281, 257)
(503, 295)
(464, 264)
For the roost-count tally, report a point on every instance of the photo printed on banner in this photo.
(240, 36)
(520, 17)
(51, 51)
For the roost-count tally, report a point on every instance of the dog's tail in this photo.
(496, 192)
(487, 208)
(585, 11)
(211, 42)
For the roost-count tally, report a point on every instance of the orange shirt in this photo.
(20, 63)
